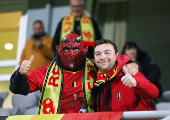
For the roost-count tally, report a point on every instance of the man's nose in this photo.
(103, 56)
(71, 52)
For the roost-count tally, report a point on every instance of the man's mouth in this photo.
(103, 62)
(70, 61)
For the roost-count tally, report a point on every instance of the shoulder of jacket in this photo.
(46, 37)
(29, 41)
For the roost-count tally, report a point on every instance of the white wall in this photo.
(34, 14)
(149, 27)
(57, 14)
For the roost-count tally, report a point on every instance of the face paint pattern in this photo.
(72, 51)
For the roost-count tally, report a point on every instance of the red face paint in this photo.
(72, 51)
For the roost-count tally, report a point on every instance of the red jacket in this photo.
(124, 98)
(69, 92)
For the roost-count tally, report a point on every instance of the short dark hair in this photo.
(38, 21)
(103, 41)
(132, 44)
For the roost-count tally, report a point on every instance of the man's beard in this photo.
(39, 35)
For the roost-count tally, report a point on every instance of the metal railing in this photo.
(163, 114)
(166, 118)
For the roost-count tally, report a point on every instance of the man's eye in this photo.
(65, 49)
(97, 54)
(107, 53)
(76, 49)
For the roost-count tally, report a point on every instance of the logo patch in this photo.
(75, 96)
(118, 96)
(74, 84)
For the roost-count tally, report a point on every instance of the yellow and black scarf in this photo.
(102, 79)
(99, 86)
(87, 31)
(53, 84)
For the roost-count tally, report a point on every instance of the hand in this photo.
(132, 68)
(25, 66)
(127, 79)
(38, 43)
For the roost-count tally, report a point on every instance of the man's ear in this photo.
(117, 54)
(85, 49)
(57, 48)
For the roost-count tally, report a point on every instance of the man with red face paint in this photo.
(65, 84)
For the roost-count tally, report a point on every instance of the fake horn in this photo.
(78, 39)
(72, 32)
(64, 39)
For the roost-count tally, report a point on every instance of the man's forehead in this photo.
(106, 50)
(72, 36)
(104, 47)
(71, 44)
(37, 24)
(75, 2)
(71, 40)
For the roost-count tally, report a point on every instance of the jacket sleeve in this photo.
(24, 84)
(137, 63)
(145, 88)
(19, 84)
(47, 49)
(56, 39)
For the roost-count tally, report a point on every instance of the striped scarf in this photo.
(101, 80)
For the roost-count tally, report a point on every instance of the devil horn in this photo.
(78, 39)
(72, 32)
(64, 39)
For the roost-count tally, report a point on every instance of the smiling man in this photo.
(115, 88)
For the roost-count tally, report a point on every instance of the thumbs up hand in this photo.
(127, 79)
(25, 66)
